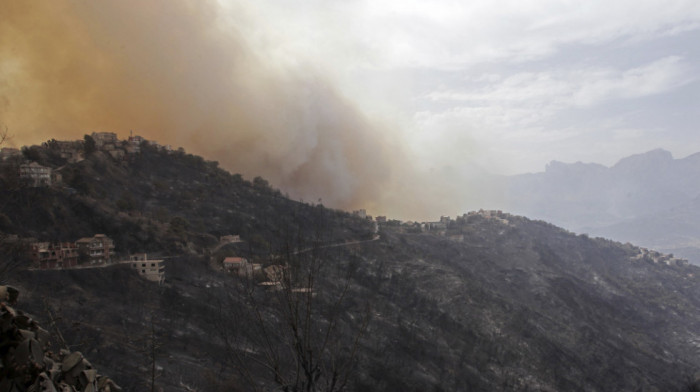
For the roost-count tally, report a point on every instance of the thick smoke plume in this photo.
(173, 72)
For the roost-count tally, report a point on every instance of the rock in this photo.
(27, 365)
(9, 294)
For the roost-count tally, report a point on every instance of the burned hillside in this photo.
(487, 301)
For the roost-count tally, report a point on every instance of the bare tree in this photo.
(14, 256)
(150, 348)
(13, 250)
(299, 332)
(4, 136)
(153, 347)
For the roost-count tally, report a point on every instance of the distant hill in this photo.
(675, 230)
(486, 302)
(646, 199)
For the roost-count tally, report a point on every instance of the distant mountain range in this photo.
(648, 199)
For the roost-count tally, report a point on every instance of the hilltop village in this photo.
(20, 167)
(33, 174)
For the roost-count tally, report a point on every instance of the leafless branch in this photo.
(296, 337)
(4, 136)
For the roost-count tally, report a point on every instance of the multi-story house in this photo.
(362, 213)
(133, 145)
(106, 140)
(153, 270)
(50, 255)
(35, 174)
(95, 250)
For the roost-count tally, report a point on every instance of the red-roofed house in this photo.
(241, 266)
(234, 263)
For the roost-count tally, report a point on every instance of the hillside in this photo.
(153, 201)
(493, 302)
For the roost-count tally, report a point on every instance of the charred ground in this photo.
(509, 304)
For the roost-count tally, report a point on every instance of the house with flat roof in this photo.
(153, 270)
(105, 139)
(52, 255)
(231, 238)
(35, 174)
(97, 249)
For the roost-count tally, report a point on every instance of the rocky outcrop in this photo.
(29, 365)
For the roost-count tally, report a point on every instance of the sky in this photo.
(398, 107)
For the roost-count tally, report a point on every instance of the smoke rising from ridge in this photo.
(193, 74)
(169, 71)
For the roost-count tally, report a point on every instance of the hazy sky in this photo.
(394, 106)
(510, 84)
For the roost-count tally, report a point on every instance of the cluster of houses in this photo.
(496, 215)
(35, 175)
(272, 277)
(439, 227)
(108, 142)
(362, 213)
(85, 252)
(658, 257)
(98, 249)
(237, 265)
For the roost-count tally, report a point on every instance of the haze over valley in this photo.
(648, 199)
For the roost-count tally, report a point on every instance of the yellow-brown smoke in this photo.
(167, 70)
(172, 72)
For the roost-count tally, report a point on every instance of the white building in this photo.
(153, 270)
(35, 174)
(104, 139)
